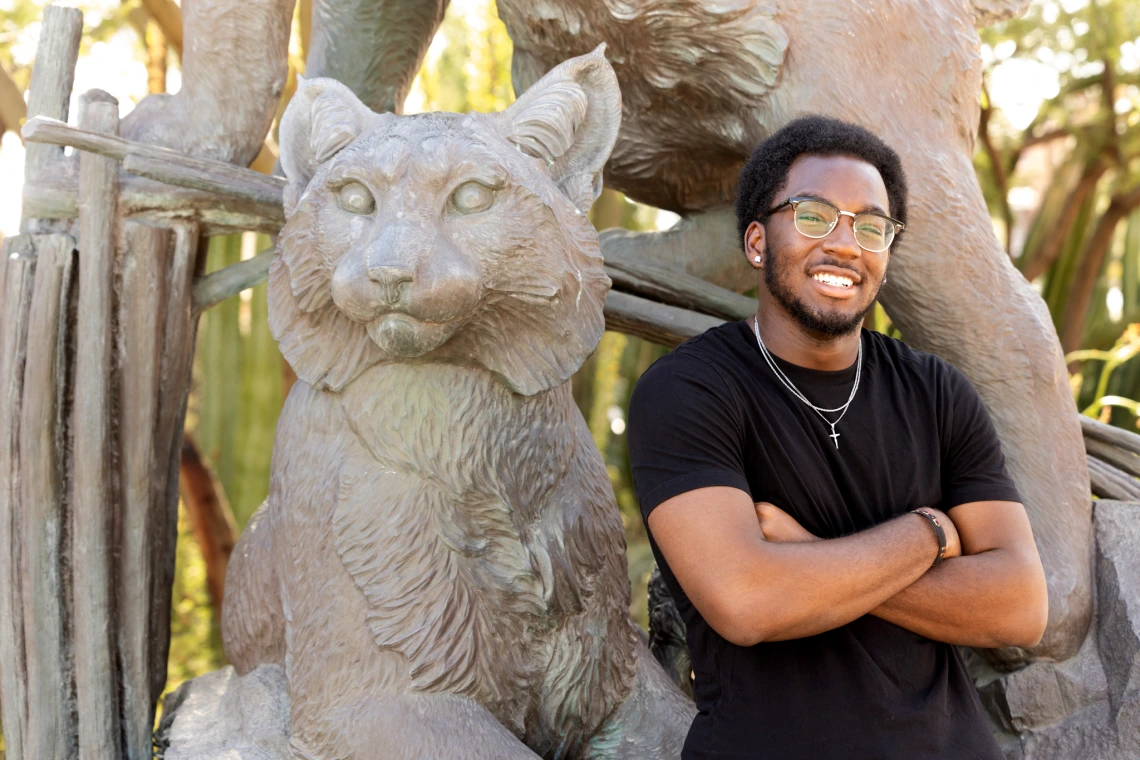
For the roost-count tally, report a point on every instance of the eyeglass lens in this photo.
(816, 220)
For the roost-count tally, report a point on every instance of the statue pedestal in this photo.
(224, 716)
(1088, 706)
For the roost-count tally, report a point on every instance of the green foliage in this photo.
(1102, 403)
(468, 67)
(238, 387)
(602, 389)
(1080, 146)
(195, 637)
(1078, 156)
(19, 22)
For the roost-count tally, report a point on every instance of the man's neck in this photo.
(785, 337)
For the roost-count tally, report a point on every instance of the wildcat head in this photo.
(444, 237)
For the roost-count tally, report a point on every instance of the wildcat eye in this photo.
(355, 199)
(472, 197)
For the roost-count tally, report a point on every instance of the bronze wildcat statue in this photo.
(440, 565)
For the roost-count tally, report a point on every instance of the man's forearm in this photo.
(803, 589)
(981, 600)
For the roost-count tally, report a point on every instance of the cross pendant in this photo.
(834, 436)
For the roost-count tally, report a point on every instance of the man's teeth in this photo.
(831, 279)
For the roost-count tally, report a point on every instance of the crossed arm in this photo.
(772, 580)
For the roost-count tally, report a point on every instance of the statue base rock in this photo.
(1086, 707)
(224, 716)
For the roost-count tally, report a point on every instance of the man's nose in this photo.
(841, 240)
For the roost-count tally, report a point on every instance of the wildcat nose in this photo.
(392, 281)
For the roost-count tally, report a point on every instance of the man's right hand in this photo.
(780, 527)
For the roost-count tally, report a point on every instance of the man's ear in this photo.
(570, 120)
(322, 118)
(755, 241)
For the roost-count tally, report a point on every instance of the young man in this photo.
(830, 508)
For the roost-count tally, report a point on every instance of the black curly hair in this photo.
(766, 170)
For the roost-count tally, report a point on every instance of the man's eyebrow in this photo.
(870, 208)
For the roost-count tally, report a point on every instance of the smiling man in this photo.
(829, 507)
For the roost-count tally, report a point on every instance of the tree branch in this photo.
(1001, 179)
(168, 16)
(1050, 136)
(1092, 261)
(1055, 240)
(1076, 85)
(210, 514)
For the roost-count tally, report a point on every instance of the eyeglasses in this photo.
(816, 219)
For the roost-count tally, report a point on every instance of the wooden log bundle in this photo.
(97, 695)
(45, 500)
(1114, 460)
(38, 274)
(97, 331)
(18, 271)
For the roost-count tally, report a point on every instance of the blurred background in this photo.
(1058, 158)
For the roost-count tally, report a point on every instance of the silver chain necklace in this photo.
(796, 391)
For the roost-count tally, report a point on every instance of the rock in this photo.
(1044, 693)
(1088, 707)
(1128, 725)
(1088, 735)
(1118, 587)
(224, 716)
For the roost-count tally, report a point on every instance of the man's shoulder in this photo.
(907, 360)
(702, 356)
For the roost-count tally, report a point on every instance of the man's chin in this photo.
(830, 322)
(400, 335)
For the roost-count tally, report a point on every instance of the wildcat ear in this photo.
(570, 120)
(322, 118)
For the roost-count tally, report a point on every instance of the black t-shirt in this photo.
(712, 413)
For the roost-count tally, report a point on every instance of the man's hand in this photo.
(779, 527)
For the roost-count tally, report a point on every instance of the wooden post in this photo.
(142, 296)
(652, 321)
(95, 671)
(179, 333)
(50, 690)
(19, 267)
(50, 90)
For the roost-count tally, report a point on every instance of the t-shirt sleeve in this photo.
(973, 466)
(685, 432)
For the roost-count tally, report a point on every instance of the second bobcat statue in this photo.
(440, 565)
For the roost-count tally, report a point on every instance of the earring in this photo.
(757, 259)
(884, 282)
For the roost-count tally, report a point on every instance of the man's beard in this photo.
(831, 324)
